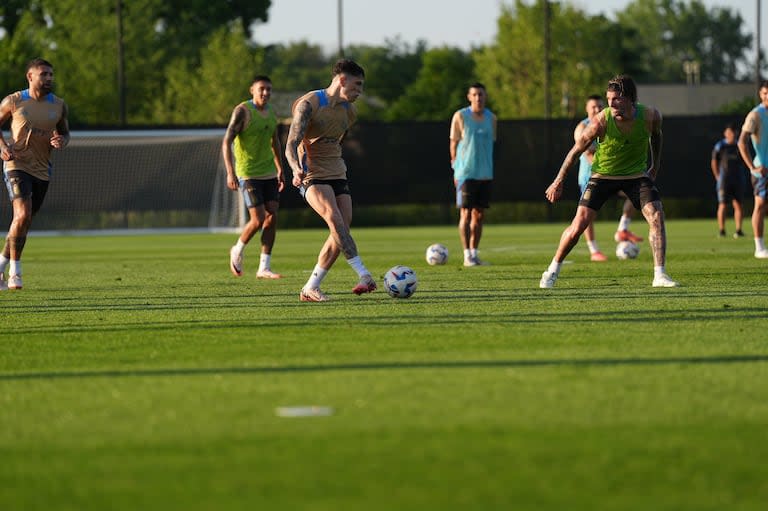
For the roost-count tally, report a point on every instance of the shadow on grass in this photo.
(379, 366)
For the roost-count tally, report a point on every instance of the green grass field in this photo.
(137, 373)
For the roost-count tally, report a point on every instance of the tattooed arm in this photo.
(236, 126)
(301, 116)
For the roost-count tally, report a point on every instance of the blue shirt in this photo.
(474, 152)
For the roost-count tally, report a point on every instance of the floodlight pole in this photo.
(120, 61)
(341, 28)
(547, 64)
(757, 46)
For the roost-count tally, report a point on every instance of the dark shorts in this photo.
(639, 190)
(259, 191)
(474, 193)
(340, 186)
(25, 186)
(730, 188)
(760, 186)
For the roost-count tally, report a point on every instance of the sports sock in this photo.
(357, 264)
(658, 270)
(624, 223)
(264, 261)
(759, 244)
(467, 254)
(592, 244)
(473, 253)
(240, 246)
(554, 267)
(318, 274)
(15, 268)
(3, 263)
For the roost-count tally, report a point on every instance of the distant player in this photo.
(257, 172)
(728, 171)
(627, 130)
(320, 122)
(38, 124)
(756, 129)
(473, 133)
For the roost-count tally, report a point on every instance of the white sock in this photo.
(592, 244)
(624, 223)
(659, 270)
(240, 246)
(264, 261)
(357, 264)
(467, 254)
(759, 244)
(3, 263)
(554, 267)
(318, 274)
(15, 268)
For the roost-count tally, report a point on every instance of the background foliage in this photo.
(189, 62)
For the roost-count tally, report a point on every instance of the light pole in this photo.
(120, 61)
(757, 46)
(341, 27)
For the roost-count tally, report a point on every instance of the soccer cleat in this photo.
(3, 283)
(235, 262)
(548, 279)
(266, 273)
(366, 285)
(721, 234)
(598, 257)
(760, 253)
(14, 282)
(738, 234)
(627, 235)
(664, 280)
(313, 295)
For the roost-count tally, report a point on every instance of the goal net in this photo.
(139, 179)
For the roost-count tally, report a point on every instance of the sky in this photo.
(457, 23)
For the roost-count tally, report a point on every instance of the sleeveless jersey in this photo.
(33, 123)
(474, 152)
(320, 151)
(622, 155)
(760, 139)
(253, 146)
(585, 166)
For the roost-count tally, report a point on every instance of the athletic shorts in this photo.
(21, 185)
(730, 189)
(474, 193)
(639, 190)
(259, 191)
(760, 186)
(340, 186)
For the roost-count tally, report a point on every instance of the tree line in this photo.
(188, 62)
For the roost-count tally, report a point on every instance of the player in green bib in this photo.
(625, 133)
(256, 171)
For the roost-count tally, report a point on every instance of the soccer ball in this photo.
(400, 282)
(437, 254)
(627, 250)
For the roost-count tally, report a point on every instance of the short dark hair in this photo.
(596, 97)
(349, 67)
(478, 85)
(37, 62)
(625, 86)
(763, 85)
(261, 78)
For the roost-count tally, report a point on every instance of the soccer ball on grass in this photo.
(627, 250)
(437, 254)
(400, 281)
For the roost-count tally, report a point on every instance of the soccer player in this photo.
(754, 129)
(626, 130)
(473, 133)
(257, 172)
(727, 168)
(321, 119)
(38, 124)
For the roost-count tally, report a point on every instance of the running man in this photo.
(38, 124)
(321, 119)
(257, 172)
(625, 131)
(753, 130)
(473, 133)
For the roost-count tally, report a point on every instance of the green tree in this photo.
(440, 87)
(668, 33)
(513, 67)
